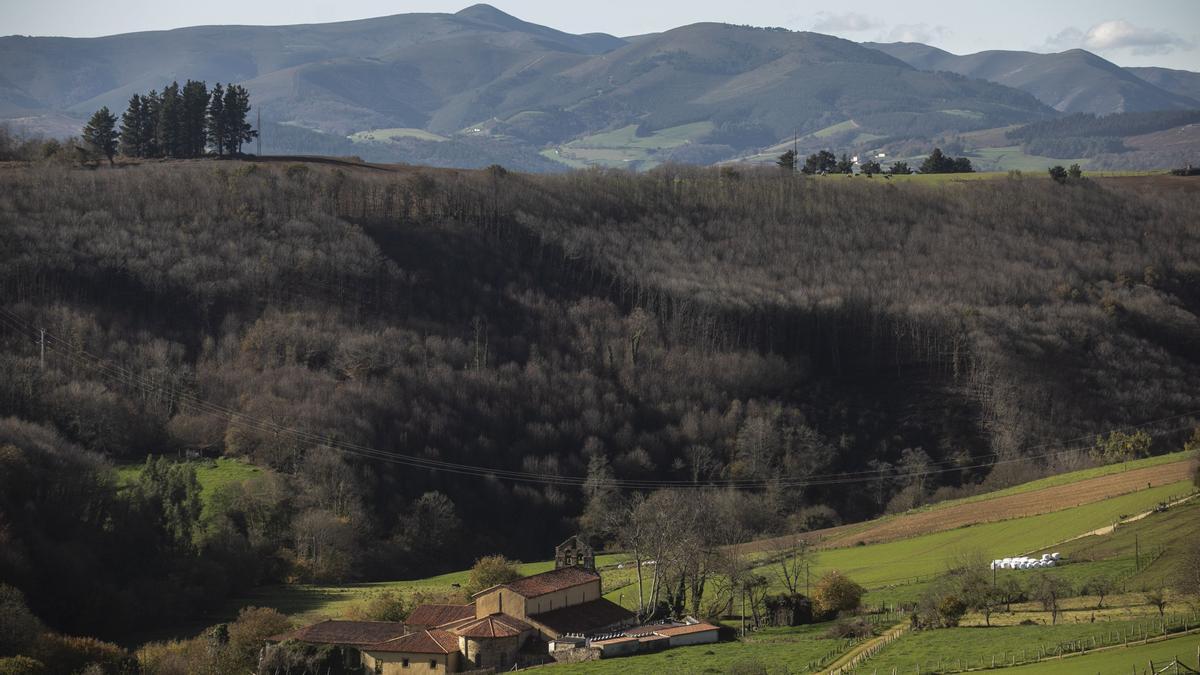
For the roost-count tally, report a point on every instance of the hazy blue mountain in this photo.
(1179, 82)
(484, 74)
(1070, 81)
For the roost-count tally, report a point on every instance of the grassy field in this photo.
(623, 147)
(383, 135)
(957, 649)
(1120, 660)
(1013, 157)
(1110, 555)
(1066, 478)
(889, 570)
(778, 650)
(897, 562)
(310, 602)
(1145, 537)
(848, 125)
(211, 474)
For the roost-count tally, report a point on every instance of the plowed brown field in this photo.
(1034, 503)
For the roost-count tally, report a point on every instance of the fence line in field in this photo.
(1140, 633)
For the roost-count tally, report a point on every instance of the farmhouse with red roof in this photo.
(507, 625)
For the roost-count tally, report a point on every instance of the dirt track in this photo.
(1007, 507)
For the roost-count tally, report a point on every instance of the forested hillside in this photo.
(378, 339)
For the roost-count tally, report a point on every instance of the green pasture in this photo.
(1154, 538)
(1013, 157)
(900, 562)
(958, 649)
(889, 570)
(1042, 483)
(212, 474)
(383, 135)
(1158, 533)
(311, 602)
(848, 125)
(626, 137)
(971, 114)
(1120, 660)
(621, 147)
(1065, 478)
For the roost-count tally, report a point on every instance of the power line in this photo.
(234, 417)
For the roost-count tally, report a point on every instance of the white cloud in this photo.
(1119, 34)
(847, 22)
(915, 32)
(863, 27)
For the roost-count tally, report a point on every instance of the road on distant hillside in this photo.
(1020, 505)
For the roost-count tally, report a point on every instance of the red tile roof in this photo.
(549, 582)
(421, 642)
(344, 632)
(493, 626)
(584, 618)
(433, 616)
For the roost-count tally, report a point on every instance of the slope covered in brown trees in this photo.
(570, 335)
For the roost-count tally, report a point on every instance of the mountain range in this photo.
(1072, 81)
(480, 85)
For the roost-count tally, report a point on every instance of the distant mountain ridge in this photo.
(1072, 81)
(491, 87)
(1181, 82)
(447, 73)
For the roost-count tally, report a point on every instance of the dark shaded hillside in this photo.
(700, 326)
(1073, 81)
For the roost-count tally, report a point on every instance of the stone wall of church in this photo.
(498, 653)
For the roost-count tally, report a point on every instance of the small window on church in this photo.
(433, 664)
(403, 663)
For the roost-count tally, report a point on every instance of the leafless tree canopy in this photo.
(691, 325)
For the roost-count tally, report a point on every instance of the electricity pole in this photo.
(259, 134)
(42, 345)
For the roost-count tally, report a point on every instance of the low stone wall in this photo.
(575, 654)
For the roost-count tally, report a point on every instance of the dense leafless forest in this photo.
(693, 325)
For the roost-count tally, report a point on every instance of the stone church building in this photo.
(505, 625)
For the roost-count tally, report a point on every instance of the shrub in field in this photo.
(247, 634)
(68, 654)
(384, 606)
(835, 592)
(21, 665)
(491, 570)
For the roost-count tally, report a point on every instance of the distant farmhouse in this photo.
(555, 615)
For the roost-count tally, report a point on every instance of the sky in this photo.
(1146, 32)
